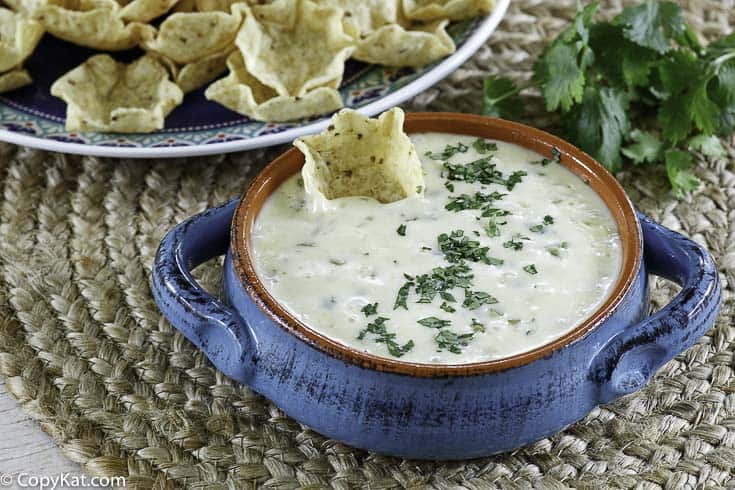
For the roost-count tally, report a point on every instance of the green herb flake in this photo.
(397, 350)
(447, 307)
(434, 322)
(458, 247)
(483, 146)
(370, 309)
(477, 326)
(440, 280)
(483, 171)
(531, 269)
(477, 201)
(451, 341)
(378, 328)
(448, 152)
(548, 220)
(516, 243)
(448, 296)
(403, 296)
(401, 230)
(475, 299)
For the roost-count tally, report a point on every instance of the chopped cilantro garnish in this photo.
(477, 201)
(548, 220)
(531, 269)
(401, 230)
(475, 299)
(378, 328)
(370, 309)
(483, 146)
(434, 322)
(448, 296)
(477, 326)
(516, 243)
(458, 247)
(441, 280)
(492, 227)
(449, 186)
(447, 307)
(483, 171)
(403, 296)
(515, 178)
(451, 341)
(449, 152)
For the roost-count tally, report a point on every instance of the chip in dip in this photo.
(503, 252)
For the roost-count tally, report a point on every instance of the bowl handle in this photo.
(206, 321)
(629, 360)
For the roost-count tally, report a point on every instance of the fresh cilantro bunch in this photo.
(640, 88)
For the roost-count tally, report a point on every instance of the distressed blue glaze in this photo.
(452, 417)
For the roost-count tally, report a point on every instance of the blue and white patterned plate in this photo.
(31, 116)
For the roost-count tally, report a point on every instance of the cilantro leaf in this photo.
(561, 78)
(653, 24)
(686, 79)
(500, 98)
(560, 71)
(678, 168)
(646, 149)
(710, 146)
(621, 61)
(599, 124)
(722, 92)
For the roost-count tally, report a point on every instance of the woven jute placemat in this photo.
(86, 352)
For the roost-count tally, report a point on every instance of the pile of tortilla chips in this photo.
(285, 57)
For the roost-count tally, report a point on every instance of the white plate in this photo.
(32, 117)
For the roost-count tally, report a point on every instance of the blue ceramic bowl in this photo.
(437, 411)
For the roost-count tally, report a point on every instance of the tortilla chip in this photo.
(105, 95)
(146, 10)
(14, 79)
(199, 73)
(188, 37)
(446, 9)
(215, 5)
(304, 49)
(393, 45)
(93, 23)
(358, 156)
(364, 16)
(243, 93)
(18, 38)
(29, 8)
(185, 6)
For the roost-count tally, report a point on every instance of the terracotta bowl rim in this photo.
(579, 162)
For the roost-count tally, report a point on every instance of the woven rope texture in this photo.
(86, 352)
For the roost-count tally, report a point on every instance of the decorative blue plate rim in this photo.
(169, 143)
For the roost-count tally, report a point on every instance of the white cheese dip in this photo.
(553, 256)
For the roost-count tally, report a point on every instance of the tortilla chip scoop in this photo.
(359, 156)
